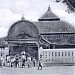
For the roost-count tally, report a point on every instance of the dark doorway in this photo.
(30, 48)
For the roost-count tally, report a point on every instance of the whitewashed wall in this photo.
(61, 56)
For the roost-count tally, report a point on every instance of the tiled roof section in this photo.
(54, 26)
(48, 16)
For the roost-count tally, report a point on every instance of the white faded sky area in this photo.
(12, 10)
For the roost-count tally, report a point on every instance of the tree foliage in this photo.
(70, 4)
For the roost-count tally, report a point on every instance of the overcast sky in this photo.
(12, 10)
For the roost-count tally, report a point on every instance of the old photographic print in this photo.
(37, 37)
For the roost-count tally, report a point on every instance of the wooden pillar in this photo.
(53, 46)
(38, 49)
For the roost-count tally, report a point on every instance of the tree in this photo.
(70, 4)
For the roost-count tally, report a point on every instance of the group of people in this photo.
(19, 61)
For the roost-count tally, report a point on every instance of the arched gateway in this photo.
(23, 36)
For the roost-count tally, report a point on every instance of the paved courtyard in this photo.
(52, 70)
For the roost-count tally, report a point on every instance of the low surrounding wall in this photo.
(57, 56)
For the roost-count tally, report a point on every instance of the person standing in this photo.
(17, 60)
(23, 57)
(2, 60)
(12, 62)
(34, 61)
(0, 63)
(8, 60)
(40, 65)
(29, 62)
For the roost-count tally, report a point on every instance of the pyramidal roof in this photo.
(48, 16)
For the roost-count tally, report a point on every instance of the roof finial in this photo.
(22, 17)
(49, 8)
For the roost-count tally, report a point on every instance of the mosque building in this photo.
(49, 32)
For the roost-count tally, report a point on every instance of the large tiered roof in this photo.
(55, 30)
(54, 27)
(48, 16)
(50, 23)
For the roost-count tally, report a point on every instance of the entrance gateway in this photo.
(18, 46)
(23, 36)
